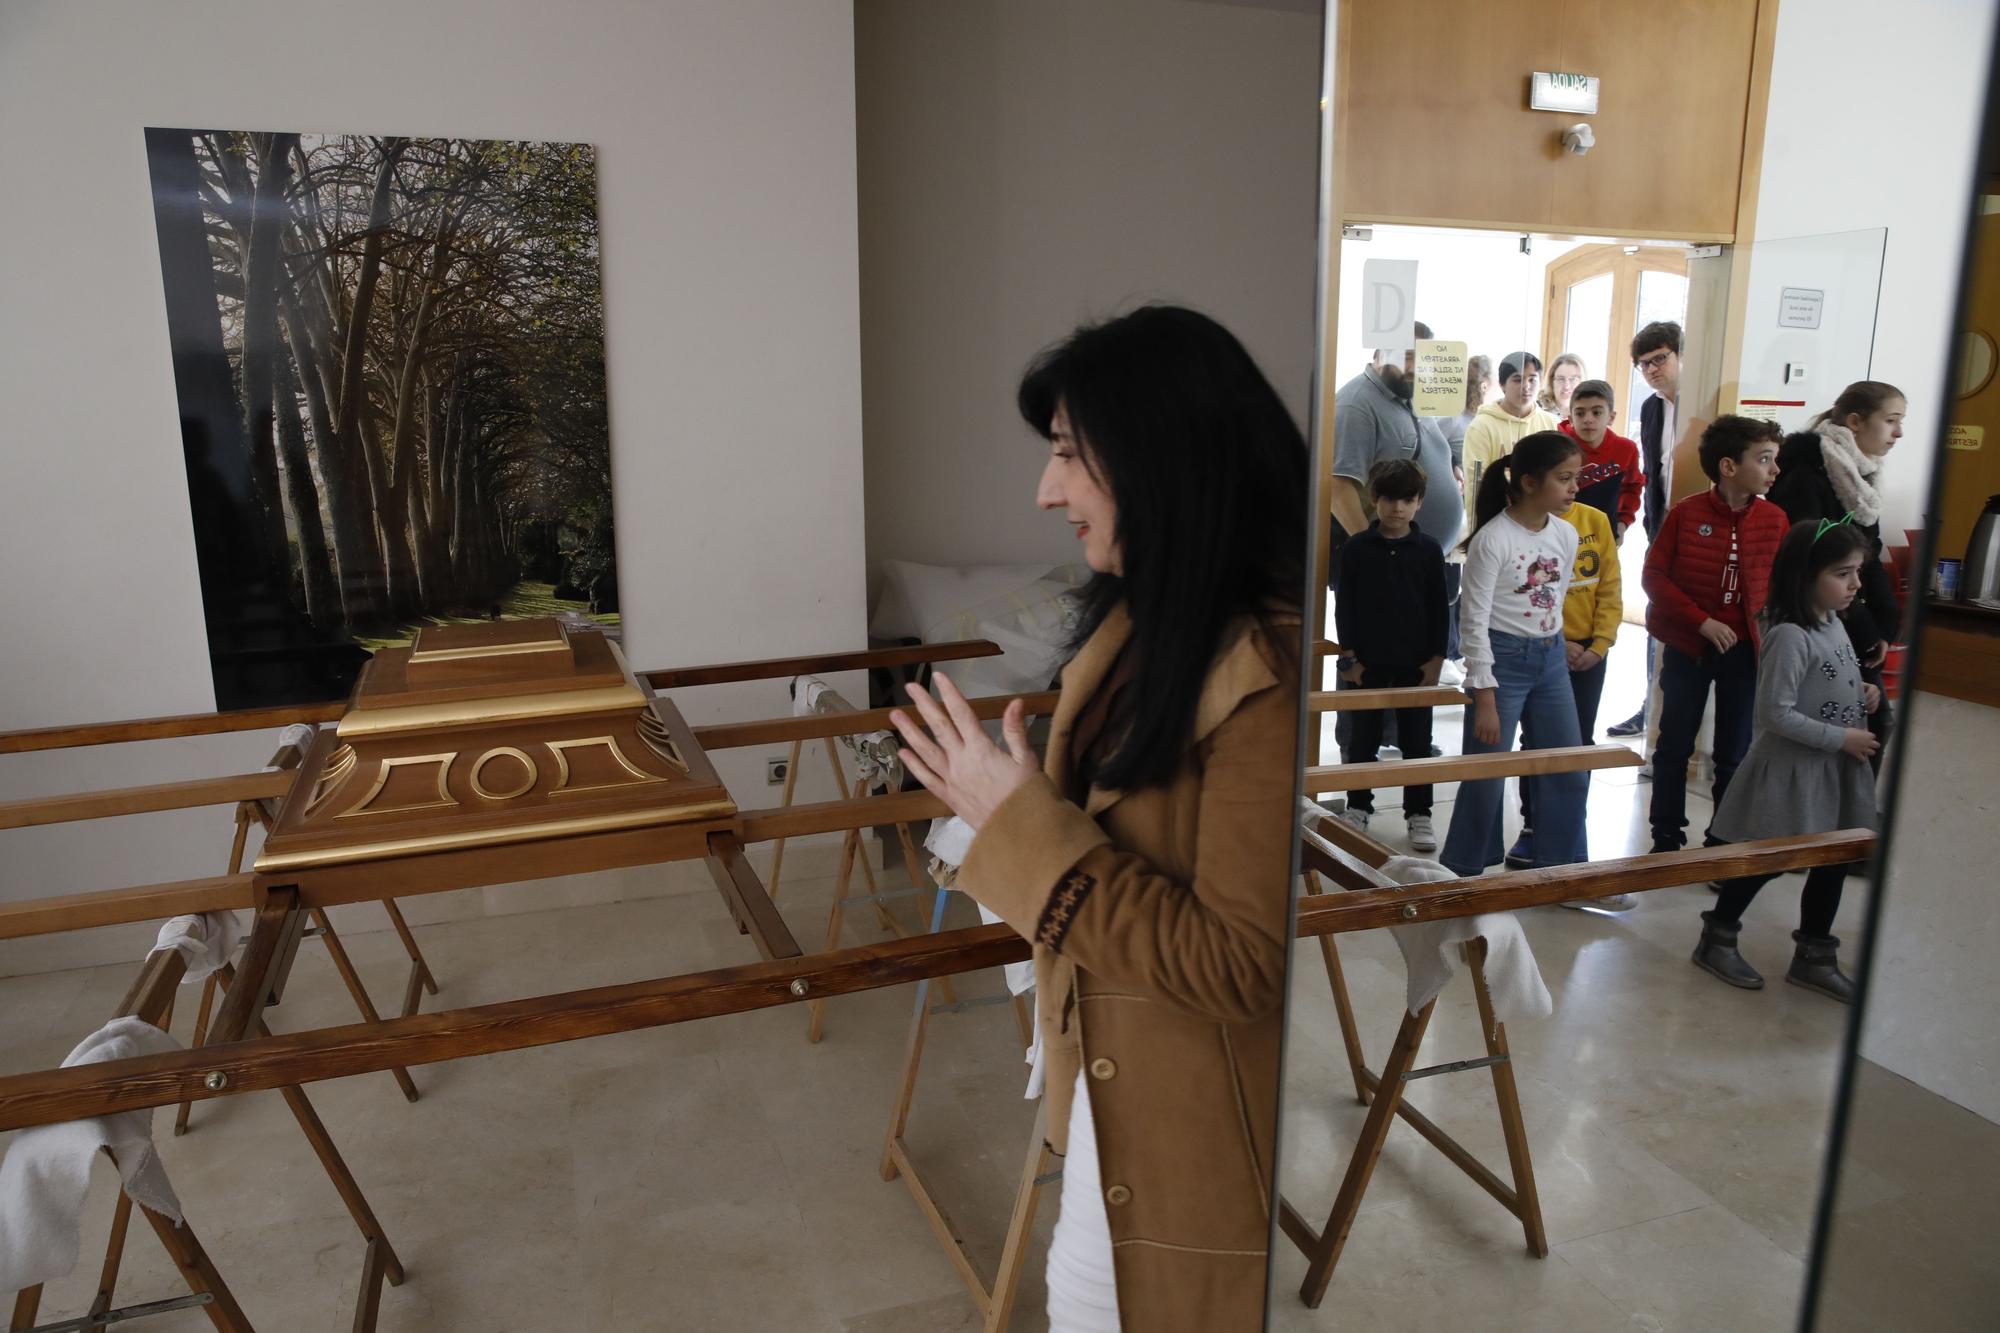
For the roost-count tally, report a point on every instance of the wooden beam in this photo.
(185, 795)
(1337, 913)
(158, 728)
(111, 907)
(152, 991)
(49, 1096)
(1413, 696)
(1324, 778)
(797, 821)
(777, 668)
(778, 730)
(273, 935)
(744, 892)
(305, 1057)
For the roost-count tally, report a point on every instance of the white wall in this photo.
(1934, 988)
(1028, 164)
(1474, 287)
(1874, 122)
(725, 131)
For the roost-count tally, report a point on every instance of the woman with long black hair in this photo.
(1147, 857)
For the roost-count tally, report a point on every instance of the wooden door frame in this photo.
(1625, 265)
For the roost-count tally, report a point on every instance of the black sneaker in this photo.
(1634, 725)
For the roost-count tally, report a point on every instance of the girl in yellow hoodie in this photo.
(1592, 612)
(1503, 423)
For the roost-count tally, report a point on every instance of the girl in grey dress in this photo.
(1807, 770)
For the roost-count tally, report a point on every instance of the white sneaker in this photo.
(1451, 673)
(1423, 838)
(1358, 818)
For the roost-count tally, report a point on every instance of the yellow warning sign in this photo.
(1964, 437)
(1440, 378)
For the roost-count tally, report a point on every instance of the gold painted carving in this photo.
(504, 752)
(444, 796)
(556, 640)
(569, 827)
(338, 765)
(610, 743)
(660, 741)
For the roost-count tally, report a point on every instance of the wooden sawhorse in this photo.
(151, 998)
(995, 1301)
(419, 981)
(1383, 1094)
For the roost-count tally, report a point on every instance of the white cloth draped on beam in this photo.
(1430, 948)
(46, 1172)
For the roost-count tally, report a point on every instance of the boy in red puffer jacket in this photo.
(1706, 575)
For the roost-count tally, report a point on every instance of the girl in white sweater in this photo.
(1517, 571)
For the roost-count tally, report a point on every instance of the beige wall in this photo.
(725, 131)
(1027, 164)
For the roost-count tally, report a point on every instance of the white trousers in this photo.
(1083, 1294)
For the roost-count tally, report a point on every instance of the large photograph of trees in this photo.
(389, 358)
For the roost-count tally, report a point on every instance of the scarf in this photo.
(1851, 472)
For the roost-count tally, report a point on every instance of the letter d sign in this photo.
(1389, 304)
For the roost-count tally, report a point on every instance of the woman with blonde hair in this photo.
(1565, 373)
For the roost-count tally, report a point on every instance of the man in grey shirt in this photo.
(1373, 421)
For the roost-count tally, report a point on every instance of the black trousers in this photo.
(1413, 735)
(1818, 901)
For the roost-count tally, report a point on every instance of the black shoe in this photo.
(1816, 966)
(1716, 955)
(1663, 845)
(1634, 725)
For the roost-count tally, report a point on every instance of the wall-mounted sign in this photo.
(1766, 409)
(1575, 93)
(1441, 379)
(1388, 304)
(1955, 437)
(1800, 307)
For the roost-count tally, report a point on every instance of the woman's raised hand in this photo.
(951, 754)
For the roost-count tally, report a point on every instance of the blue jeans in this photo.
(1588, 687)
(1684, 686)
(1532, 689)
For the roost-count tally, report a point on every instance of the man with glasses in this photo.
(1656, 352)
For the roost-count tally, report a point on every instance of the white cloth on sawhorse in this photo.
(46, 1172)
(1431, 948)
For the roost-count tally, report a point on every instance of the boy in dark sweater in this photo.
(1390, 612)
(1707, 573)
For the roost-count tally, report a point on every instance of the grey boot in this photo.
(1816, 966)
(1717, 956)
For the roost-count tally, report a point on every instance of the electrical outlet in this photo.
(775, 771)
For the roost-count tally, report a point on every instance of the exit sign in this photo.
(1575, 93)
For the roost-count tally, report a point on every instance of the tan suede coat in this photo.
(1159, 918)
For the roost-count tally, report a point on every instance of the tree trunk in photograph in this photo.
(354, 436)
(392, 527)
(322, 588)
(262, 242)
(357, 557)
(404, 478)
(211, 418)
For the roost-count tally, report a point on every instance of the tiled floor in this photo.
(724, 1174)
